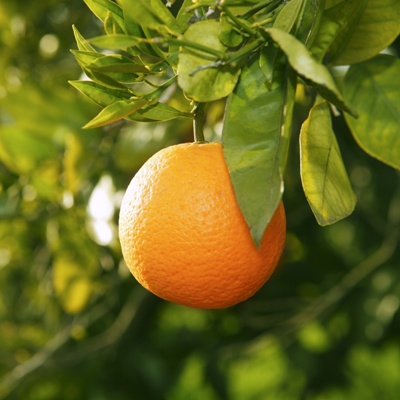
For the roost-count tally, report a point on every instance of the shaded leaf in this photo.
(323, 174)
(371, 88)
(115, 112)
(309, 21)
(252, 143)
(197, 76)
(308, 68)
(371, 27)
(228, 36)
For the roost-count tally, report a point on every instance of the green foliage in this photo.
(206, 46)
(369, 86)
(74, 324)
(325, 181)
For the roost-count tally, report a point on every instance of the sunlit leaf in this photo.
(116, 41)
(104, 8)
(152, 14)
(287, 17)
(197, 76)
(371, 87)
(99, 94)
(323, 174)
(83, 44)
(183, 16)
(308, 68)
(116, 111)
(252, 140)
(111, 25)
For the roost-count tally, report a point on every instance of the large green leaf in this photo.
(371, 27)
(355, 30)
(308, 68)
(373, 87)
(252, 140)
(325, 182)
(197, 76)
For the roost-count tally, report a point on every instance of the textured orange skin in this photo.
(183, 235)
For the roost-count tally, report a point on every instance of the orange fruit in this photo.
(182, 233)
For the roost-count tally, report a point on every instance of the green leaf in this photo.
(183, 17)
(309, 21)
(372, 27)
(252, 140)
(324, 178)
(83, 44)
(374, 90)
(152, 14)
(115, 42)
(103, 9)
(198, 76)
(99, 94)
(157, 112)
(84, 58)
(111, 25)
(115, 63)
(288, 15)
(228, 36)
(115, 112)
(308, 68)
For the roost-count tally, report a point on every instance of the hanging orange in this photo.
(182, 233)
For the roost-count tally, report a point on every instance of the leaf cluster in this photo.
(255, 54)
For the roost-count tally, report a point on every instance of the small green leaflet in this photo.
(324, 177)
(369, 87)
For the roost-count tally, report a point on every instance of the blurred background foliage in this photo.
(75, 325)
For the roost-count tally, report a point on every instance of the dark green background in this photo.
(75, 325)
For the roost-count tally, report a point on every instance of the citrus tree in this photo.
(155, 65)
(283, 85)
